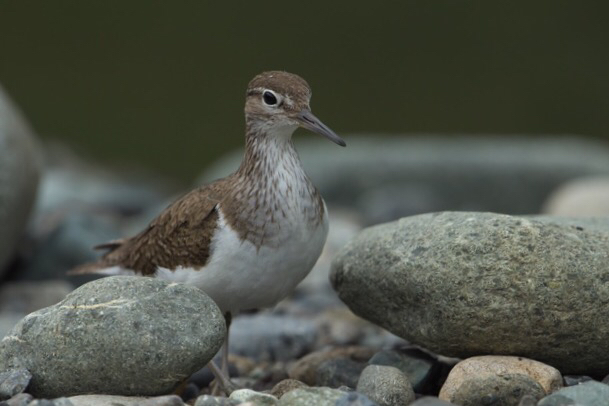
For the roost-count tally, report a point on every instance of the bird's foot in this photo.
(222, 382)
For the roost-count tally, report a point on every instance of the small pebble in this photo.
(169, 400)
(571, 380)
(258, 398)
(591, 393)
(191, 391)
(51, 402)
(480, 368)
(528, 400)
(418, 367)
(319, 396)
(339, 371)
(355, 399)
(13, 381)
(22, 399)
(305, 369)
(207, 400)
(505, 390)
(431, 401)
(106, 400)
(285, 386)
(385, 385)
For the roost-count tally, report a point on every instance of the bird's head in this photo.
(278, 102)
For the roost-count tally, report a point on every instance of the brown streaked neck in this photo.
(266, 147)
(269, 183)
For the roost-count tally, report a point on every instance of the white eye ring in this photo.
(270, 98)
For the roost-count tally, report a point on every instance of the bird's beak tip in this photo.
(307, 120)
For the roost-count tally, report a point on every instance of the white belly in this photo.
(240, 276)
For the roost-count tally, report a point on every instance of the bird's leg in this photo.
(223, 382)
(228, 317)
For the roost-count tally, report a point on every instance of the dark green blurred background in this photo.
(162, 82)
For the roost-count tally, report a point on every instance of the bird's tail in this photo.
(101, 264)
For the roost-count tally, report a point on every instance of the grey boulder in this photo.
(469, 283)
(118, 335)
(20, 164)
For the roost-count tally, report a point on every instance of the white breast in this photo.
(240, 276)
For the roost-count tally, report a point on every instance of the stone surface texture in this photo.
(500, 390)
(285, 386)
(258, 398)
(467, 283)
(337, 372)
(207, 400)
(20, 165)
(311, 397)
(22, 399)
(13, 382)
(354, 399)
(549, 378)
(51, 402)
(385, 385)
(106, 400)
(118, 335)
(590, 393)
(419, 368)
(430, 401)
(305, 369)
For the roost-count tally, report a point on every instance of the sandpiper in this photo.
(248, 239)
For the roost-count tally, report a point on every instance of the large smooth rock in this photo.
(390, 177)
(20, 163)
(117, 335)
(464, 284)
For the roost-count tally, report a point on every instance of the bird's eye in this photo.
(269, 98)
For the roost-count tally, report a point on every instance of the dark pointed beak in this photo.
(310, 122)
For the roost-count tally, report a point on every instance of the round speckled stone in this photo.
(468, 283)
(118, 335)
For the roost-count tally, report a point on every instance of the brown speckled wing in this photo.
(179, 236)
